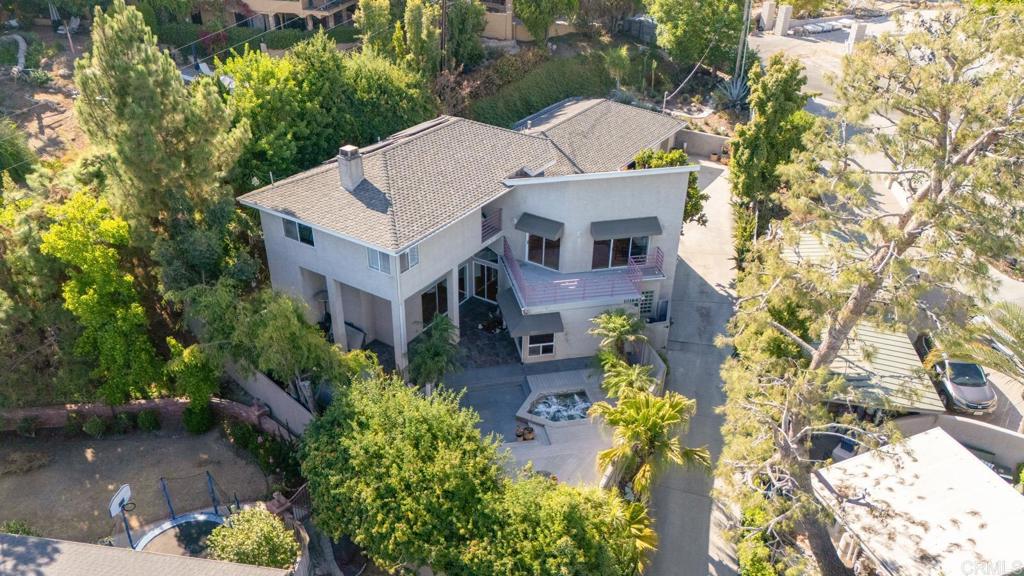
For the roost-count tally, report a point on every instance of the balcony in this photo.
(490, 225)
(539, 287)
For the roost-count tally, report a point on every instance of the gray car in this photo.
(962, 385)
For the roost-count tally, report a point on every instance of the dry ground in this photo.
(68, 497)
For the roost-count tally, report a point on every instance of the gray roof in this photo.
(424, 178)
(415, 183)
(598, 135)
(30, 556)
(524, 325)
(609, 229)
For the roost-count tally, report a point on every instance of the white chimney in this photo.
(350, 167)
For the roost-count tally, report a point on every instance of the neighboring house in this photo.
(546, 222)
(923, 506)
(274, 14)
(884, 374)
(31, 556)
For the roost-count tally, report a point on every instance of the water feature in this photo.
(562, 406)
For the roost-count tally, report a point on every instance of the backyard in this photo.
(67, 493)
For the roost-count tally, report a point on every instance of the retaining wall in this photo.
(699, 143)
(284, 409)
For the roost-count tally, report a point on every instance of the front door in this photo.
(485, 281)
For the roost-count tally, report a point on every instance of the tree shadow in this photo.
(27, 555)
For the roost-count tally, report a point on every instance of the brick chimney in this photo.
(350, 167)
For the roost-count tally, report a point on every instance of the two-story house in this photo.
(546, 221)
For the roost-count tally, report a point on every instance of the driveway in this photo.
(688, 522)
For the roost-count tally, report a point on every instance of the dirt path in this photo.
(68, 497)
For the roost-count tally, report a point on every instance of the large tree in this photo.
(407, 478)
(373, 20)
(694, 30)
(945, 101)
(422, 37)
(466, 22)
(87, 238)
(170, 145)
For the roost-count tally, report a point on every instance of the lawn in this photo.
(67, 496)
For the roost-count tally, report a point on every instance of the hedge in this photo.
(546, 84)
(180, 34)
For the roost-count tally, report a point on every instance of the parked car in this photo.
(962, 385)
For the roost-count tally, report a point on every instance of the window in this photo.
(616, 253)
(540, 345)
(409, 258)
(296, 231)
(379, 260)
(543, 251)
(434, 301)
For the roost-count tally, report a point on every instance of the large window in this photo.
(540, 345)
(485, 281)
(409, 258)
(434, 301)
(297, 231)
(616, 253)
(378, 260)
(543, 251)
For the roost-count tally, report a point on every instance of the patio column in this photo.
(337, 314)
(398, 333)
(453, 299)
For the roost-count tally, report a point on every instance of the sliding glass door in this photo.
(485, 281)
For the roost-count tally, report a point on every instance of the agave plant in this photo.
(733, 94)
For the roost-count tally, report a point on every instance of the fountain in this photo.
(562, 406)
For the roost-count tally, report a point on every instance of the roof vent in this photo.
(350, 167)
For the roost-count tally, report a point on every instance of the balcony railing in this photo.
(538, 286)
(490, 225)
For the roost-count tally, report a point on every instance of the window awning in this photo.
(533, 224)
(609, 229)
(520, 325)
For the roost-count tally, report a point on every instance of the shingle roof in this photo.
(29, 556)
(597, 135)
(421, 179)
(414, 183)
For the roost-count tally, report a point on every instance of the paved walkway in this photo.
(688, 521)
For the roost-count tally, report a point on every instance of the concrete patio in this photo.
(503, 396)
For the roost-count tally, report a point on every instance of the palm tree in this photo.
(632, 518)
(617, 62)
(621, 378)
(997, 341)
(615, 328)
(645, 436)
(433, 354)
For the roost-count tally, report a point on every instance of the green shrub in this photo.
(543, 86)
(95, 426)
(241, 434)
(344, 34)
(256, 537)
(27, 426)
(73, 425)
(18, 527)
(123, 423)
(198, 419)
(149, 420)
(754, 558)
(8, 53)
(275, 456)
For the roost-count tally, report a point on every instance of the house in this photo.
(276, 14)
(31, 556)
(545, 222)
(923, 506)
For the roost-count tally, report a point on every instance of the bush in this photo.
(27, 426)
(123, 423)
(546, 84)
(275, 456)
(73, 425)
(255, 537)
(198, 419)
(18, 527)
(149, 420)
(95, 426)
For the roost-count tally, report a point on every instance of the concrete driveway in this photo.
(688, 522)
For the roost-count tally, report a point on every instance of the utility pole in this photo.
(741, 51)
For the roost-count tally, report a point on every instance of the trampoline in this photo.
(183, 536)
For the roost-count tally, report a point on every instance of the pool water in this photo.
(562, 407)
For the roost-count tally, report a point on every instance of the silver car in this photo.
(962, 385)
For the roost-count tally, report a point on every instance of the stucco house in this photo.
(546, 221)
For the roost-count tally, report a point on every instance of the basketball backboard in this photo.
(120, 499)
